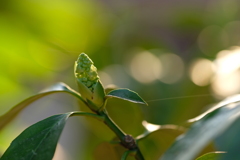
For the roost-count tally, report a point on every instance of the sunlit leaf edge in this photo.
(157, 128)
(211, 156)
(12, 113)
(227, 101)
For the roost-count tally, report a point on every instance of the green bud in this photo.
(84, 79)
(89, 84)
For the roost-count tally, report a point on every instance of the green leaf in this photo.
(211, 156)
(229, 142)
(38, 141)
(127, 95)
(59, 87)
(206, 128)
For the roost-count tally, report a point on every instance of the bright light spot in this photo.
(227, 79)
(145, 67)
(228, 60)
(150, 127)
(201, 72)
(105, 78)
(173, 68)
(226, 84)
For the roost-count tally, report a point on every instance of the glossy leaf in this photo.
(59, 87)
(211, 156)
(207, 127)
(127, 95)
(39, 141)
(229, 142)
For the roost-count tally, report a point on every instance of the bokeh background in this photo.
(160, 49)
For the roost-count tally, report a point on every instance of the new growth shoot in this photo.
(88, 81)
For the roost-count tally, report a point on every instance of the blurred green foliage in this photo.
(40, 40)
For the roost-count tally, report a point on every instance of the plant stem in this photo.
(125, 154)
(120, 134)
(87, 114)
(139, 155)
(109, 122)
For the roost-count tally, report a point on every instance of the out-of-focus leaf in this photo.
(127, 95)
(211, 156)
(39, 141)
(207, 127)
(157, 139)
(108, 151)
(59, 87)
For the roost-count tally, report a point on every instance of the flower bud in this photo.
(89, 84)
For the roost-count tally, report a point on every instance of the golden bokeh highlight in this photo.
(145, 67)
(226, 84)
(201, 72)
(223, 74)
(227, 76)
(173, 68)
